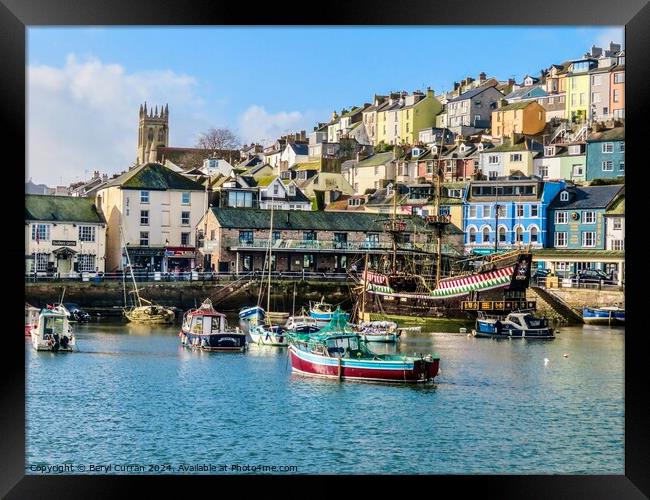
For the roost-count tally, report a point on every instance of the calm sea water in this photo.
(133, 395)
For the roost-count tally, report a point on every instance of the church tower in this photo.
(153, 132)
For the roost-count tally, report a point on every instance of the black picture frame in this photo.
(16, 15)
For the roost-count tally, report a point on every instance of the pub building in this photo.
(64, 236)
(152, 211)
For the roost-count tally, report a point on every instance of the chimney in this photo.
(596, 51)
(614, 47)
(469, 80)
(482, 77)
(511, 81)
(456, 85)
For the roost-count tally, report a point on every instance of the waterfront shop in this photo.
(64, 236)
(567, 263)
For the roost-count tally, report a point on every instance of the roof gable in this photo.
(62, 208)
(154, 177)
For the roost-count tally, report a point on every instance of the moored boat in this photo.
(31, 318)
(338, 352)
(608, 315)
(516, 325)
(53, 332)
(150, 313)
(323, 312)
(265, 334)
(302, 323)
(207, 329)
(378, 331)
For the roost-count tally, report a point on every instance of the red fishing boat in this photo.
(338, 352)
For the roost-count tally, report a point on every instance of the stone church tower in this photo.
(153, 132)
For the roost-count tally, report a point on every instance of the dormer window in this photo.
(292, 190)
(574, 150)
(564, 196)
(549, 150)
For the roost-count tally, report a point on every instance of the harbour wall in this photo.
(106, 296)
(575, 299)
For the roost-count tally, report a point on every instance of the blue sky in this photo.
(85, 84)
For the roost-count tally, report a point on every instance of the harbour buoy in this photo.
(545, 361)
(565, 355)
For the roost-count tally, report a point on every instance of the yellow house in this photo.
(419, 112)
(524, 117)
(577, 90)
(388, 120)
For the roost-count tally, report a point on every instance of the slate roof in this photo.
(376, 160)
(587, 197)
(252, 218)
(300, 149)
(154, 177)
(614, 134)
(516, 105)
(469, 94)
(62, 208)
(522, 92)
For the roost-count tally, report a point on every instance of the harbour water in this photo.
(133, 396)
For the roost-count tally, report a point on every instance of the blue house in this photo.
(508, 213)
(606, 154)
(577, 231)
(576, 216)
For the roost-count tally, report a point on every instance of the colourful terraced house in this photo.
(418, 113)
(578, 90)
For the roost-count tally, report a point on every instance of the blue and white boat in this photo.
(323, 312)
(608, 315)
(516, 325)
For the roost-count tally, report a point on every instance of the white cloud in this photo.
(83, 116)
(258, 125)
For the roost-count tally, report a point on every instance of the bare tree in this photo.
(218, 139)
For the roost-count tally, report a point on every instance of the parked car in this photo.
(593, 276)
(75, 313)
(540, 274)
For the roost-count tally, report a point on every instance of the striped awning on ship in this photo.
(454, 287)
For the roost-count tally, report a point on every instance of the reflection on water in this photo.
(498, 406)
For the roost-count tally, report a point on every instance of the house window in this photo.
(549, 151)
(608, 147)
(492, 174)
(185, 239)
(472, 212)
(595, 80)
(245, 237)
(534, 234)
(520, 210)
(621, 166)
(144, 238)
(561, 217)
(185, 198)
(618, 224)
(564, 196)
(486, 235)
(276, 189)
(595, 97)
(86, 262)
(617, 95)
(41, 232)
(618, 244)
(608, 166)
(619, 77)
(560, 239)
(309, 236)
(577, 170)
(588, 238)
(543, 171)
(472, 235)
(622, 147)
(372, 240)
(144, 196)
(487, 211)
(502, 210)
(519, 234)
(492, 159)
(212, 234)
(502, 234)
(534, 210)
(515, 157)
(589, 217)
(550, 100)
(185, 218)
(41, 261)
(86, 233)
(144, 217)
(574, 150)
(376, 170)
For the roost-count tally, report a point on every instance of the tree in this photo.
(218, 139)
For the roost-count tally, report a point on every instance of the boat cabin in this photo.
(343, 346)
(205, 322)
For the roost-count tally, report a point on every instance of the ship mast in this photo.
(393, 227)
(365, 285)
(268, 294)
(438, 221)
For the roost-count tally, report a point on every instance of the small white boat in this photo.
(206, 329)
(268, 335)
(378, 331)
(516, 325)
(302, 323)
(31, 318)
(53, 332)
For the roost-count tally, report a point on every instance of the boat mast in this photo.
(268, 295)
(128, 259)
(365, 285)
(394, 263)
(436, 208)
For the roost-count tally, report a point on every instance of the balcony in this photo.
(326, 246)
